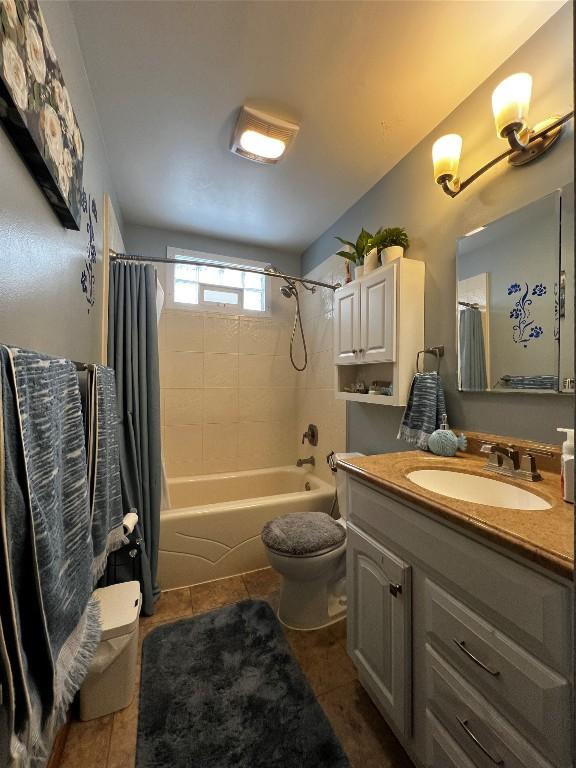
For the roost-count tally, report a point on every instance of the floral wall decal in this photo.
(36, 111)
(525, 330)
(88, 277)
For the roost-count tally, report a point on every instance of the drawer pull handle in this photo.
(395, 589)
(494, 758)
(462, 645)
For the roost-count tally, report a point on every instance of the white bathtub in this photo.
(213, 528)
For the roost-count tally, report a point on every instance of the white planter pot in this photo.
(371, 261)
(358, 271)
(392, 253)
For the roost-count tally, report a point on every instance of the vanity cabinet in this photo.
(378, 330)
(379, 616)
(471, 662)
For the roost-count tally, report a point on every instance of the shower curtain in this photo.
(472, 352)
(133, 353)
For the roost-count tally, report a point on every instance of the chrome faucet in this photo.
(310, 460)
(506, 460)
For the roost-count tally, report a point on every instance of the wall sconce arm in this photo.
(519, 154)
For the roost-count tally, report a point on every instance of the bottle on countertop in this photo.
(567, 467)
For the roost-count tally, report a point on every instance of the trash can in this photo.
(109, 684)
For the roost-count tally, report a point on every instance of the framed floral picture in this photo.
(35, 108)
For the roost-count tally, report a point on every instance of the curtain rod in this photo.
(270, 272)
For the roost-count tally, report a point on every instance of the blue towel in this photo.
(104, 468)
(50, 622)
(423, 414)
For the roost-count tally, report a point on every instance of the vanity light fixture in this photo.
(510, 106)
(262, 137)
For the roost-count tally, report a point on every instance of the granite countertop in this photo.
(545, 537)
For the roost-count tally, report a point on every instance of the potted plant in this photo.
(393, 241)
(356, 252)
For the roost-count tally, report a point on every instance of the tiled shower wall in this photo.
(316, 401)
(228, 390)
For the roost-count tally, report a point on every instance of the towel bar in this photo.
(438, 351)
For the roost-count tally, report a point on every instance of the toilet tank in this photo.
(342, 480)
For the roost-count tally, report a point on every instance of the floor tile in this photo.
(364, 735)
(171, 605)
(322, 659)
(88, 743)
(123, 738)
(261, 583)
(215, 594)
(338, 632)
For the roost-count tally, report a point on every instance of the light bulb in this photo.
(511, 102)
(259, 144)
(446, 157)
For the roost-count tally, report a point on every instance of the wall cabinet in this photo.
(466, 652)
(378, 329)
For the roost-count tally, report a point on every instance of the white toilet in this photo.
(308, 549)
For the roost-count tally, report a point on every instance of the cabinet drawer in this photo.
(528, 606)
(533, 697)
(441, 749)
(481, 732)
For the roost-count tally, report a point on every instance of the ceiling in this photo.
(367, 81)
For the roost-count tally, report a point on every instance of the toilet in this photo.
(308, 550)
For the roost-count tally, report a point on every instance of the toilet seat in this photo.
(303, 534)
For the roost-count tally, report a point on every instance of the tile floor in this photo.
(110, 741)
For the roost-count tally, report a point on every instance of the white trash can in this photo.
(109, 684)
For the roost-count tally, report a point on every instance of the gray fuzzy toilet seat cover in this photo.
(303, 533)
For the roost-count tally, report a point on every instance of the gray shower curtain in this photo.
(472, 351)
(133, 353)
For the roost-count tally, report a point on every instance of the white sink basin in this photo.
(479, 490)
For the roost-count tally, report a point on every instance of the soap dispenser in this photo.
(443, 442)
(567, 467)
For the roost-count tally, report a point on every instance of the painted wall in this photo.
(151, 241)
(42, 305)
(228, 389)
(407, 196)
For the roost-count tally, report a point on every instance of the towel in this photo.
(50, 623)
(423, 414)
(104, 467)
(529, 382)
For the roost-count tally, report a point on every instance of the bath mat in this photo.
(223, 690)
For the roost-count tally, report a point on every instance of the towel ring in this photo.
(438, 351)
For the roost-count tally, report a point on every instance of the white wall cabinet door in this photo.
(379, 623)
(347, 324)
(378, 316)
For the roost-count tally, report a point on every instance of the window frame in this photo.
(212, 307)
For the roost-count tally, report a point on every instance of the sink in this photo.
(479, 490)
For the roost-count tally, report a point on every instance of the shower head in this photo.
(287, 291)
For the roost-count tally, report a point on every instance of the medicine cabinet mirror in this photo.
(515, 300)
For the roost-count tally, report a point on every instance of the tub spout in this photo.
(310, 460)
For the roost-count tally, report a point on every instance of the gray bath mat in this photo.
(223, 691)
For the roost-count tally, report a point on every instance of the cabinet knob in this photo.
(354, 351)
(395, 589)
(360, 350)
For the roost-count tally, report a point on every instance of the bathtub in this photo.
(213, 527)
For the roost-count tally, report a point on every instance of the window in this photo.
(212, 286)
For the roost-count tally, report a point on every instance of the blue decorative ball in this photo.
(444, 442)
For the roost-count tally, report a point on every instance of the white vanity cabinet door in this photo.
(378, 316)
(379, 628)
(347, 324)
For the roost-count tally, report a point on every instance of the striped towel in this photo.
(104, 467)
(50, 622)
(423, 414)
(529, 382)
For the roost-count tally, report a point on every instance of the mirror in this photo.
(515, 300)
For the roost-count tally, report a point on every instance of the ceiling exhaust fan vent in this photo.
(261, 137)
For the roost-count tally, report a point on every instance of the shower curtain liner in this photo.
(133, 353)
(472, 350)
